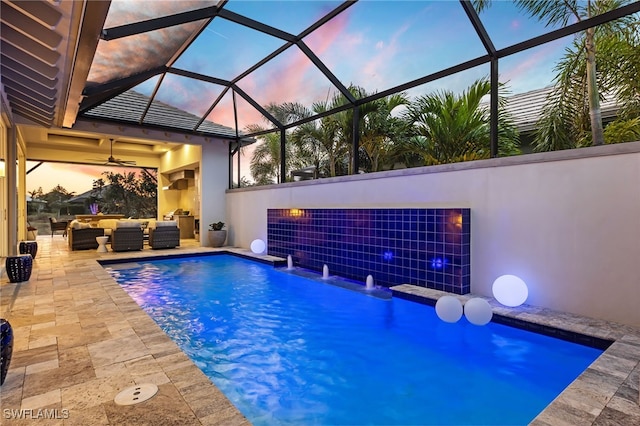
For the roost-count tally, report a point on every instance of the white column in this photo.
(12, 192)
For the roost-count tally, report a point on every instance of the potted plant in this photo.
(217, 235)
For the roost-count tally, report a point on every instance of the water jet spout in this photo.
(369, 283)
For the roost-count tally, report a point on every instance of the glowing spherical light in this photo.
(510, 290)
(449, 309)
(258, 246)
(478, 311)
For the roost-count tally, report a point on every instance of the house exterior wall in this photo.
(214, 180)
(566, 222)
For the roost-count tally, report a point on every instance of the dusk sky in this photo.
(77, 178)
(373, 44)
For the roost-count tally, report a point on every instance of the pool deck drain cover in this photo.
(136, 394)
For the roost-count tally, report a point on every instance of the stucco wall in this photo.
(567, 222)
(214, 180)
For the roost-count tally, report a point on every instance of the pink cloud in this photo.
(327, 35)
(530, 61)
(223, 113)
(294, 68)
(188, 94)
(119, 58)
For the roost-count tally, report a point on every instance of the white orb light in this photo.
(478, 311)
(449, 309)
(510, 290)
(258, 246)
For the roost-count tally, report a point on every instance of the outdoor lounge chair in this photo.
(58, 226)
(164, 236)
(127, 236)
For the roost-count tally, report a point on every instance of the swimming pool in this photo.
(289, 350)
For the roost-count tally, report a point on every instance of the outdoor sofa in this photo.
(81, 236)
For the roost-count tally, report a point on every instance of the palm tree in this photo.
(265, 162)
(450, 128)
(326, 143)
(620, 66)
(316, 142)
(575, 104)
(381, 132)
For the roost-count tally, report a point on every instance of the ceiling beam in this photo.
(80, 57)
(154, 24)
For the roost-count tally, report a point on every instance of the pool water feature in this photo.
(286, 349)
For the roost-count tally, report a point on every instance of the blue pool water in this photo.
(290, 350)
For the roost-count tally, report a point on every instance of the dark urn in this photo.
(6, 347)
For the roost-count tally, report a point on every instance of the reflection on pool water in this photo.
(289, 350)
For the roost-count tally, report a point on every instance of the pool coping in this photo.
(605, 393)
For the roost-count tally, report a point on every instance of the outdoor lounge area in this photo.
(414, 152)
(125, 234)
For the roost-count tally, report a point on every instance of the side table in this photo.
(102, 244)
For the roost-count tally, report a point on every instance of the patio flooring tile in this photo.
(79, 340)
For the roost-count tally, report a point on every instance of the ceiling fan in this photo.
(113, 160)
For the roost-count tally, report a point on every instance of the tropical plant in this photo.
(127, 193)
(573, 115)
(57, 199)
(620, 66)
(265, 160)
(326, 143)
(216, 226)
(319, 142)
(451, 128)
(36, 193)
(622, 131)
(244, 182)
(381, 133)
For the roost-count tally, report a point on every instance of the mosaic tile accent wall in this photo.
(426, 247)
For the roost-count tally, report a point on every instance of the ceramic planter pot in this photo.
(6, 348)
(28, 247)
(19, 267)
(217, 238)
